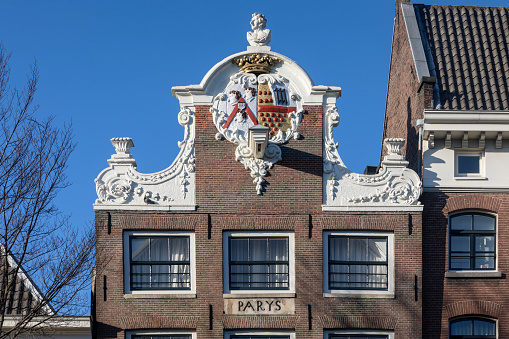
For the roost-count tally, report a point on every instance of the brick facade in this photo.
(226, 201)
(446, 298)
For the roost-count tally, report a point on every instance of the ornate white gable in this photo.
(265, 89)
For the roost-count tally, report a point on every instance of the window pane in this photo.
(484, 222)
(463, 327)
(484, 243)
(357, 250)
(140, 249)
(159, 249)
(377, 249)
(484, 327)
(460, 244)
(179, 249)
(258, 249)
(461, 222)
(459, 262)
(278, 249)
(338, 248)
(239, 249)
(468, 164)
(485, 262)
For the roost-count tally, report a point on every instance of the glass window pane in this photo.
(140, 249)
(357, 250)
(278, 249)
(239, 249)
(460, 244)
(485, 262)
(179, 249)
(258, 249)
(484, 327)
(468, 164)
(338, 248)
(462, 327)
(461, 222)
(484, 243)
(460, 263)
(159, 249)
(484, 222)
(377, 249)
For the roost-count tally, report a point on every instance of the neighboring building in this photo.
(23, 297)
(240, 238)
(450, 67)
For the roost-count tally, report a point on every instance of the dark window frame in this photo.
(353, 336)
(152, 336)
(161, 263)
(266, 262)
(472, 236)
(493, 322)
(248, 336)
(357, 263)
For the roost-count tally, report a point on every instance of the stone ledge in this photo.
(472, 275)
(258, 295)
(161, 296)
(359, 295)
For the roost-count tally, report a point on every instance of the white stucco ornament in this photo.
(252, 99)
(394, 187)
(260, 36)
(121, 186)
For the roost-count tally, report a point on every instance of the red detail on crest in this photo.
(280, 109)
(235, 110)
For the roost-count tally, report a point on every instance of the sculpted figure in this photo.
(260, 36)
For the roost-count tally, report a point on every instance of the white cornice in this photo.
(441, 122)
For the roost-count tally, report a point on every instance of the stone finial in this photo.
(394, 156)
(122, 145)
(123, 155)
(260, 36)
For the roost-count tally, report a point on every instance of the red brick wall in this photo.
(227, 200)
(405, 100)
(402, 314)
(446, 298)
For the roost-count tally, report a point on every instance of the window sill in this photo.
(261, 294)
(472, 274)
(160, 296)
(470, 178)
(359, 294)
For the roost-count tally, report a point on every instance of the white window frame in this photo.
(390, 334)
(227, 335)
(389, 293)
(154, 293)
(129, 334)
(469, 153)
(290, 292)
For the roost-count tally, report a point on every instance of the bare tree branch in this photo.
(44, 261)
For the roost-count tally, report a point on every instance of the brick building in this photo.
(449, 83)
(257, 229)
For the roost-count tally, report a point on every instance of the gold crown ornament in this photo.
(256, 63)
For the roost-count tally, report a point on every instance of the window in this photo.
(469, 164)
(160, 335)
(359, 335)
(356, 336)
(155, 262)
(472, 242)
(259, 335)
(358, 263)
(470, 328)
(258, 261)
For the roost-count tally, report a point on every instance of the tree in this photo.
(37, 242)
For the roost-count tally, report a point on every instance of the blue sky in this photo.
(108, 66)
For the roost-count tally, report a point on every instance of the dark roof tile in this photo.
(469, 46)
